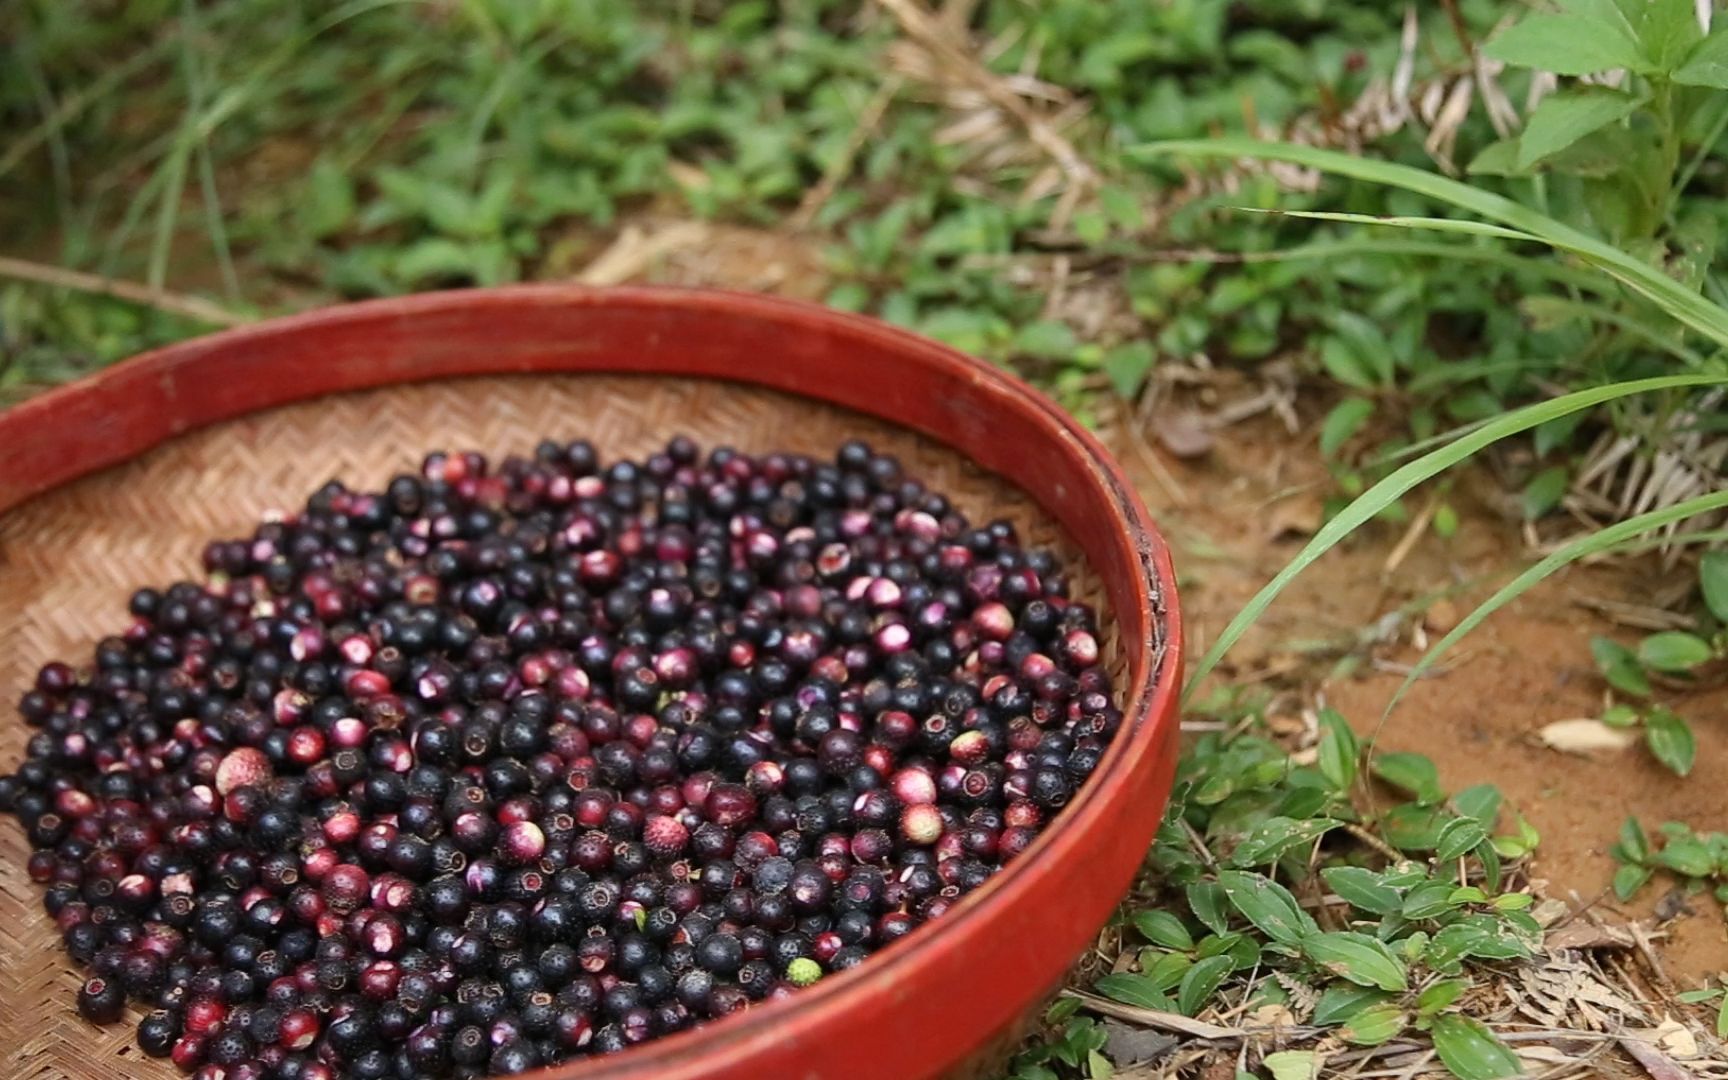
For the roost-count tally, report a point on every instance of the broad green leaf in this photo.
(1372, 1026)
(1619, 665)
(1127, 365)
(1671, 740)
(1629, 879)
(1440, 996)
(1687, 855)
(1565, 44)
(1496, 159)
(1362, 888)
(1458, 838)
(1713, 579)
(1293, 1065)
(1479, 801)
(1588, 544)
(1472, 1052)
(1167, 971)
(1208, 901)
(1545, 490)
(329, 203)
(1414, 828)
(1268, 905)
(1667, 31)
(1274, 837)
(1428, 899)
(1673, 650)
(1634, 842)
(1046, 339)
(1201, 982)
(1345, 420)
(1707, 64)
(1359, 958)
(1684, 305)
(1098, 1066)
(1620, 716)
(1410, 772)
(1567, 116)
(1131, 989)
(1163, 928)
(1339, 751)
(1340, 1001)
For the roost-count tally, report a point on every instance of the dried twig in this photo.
(189, 307)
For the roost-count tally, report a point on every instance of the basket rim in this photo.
(155, 392)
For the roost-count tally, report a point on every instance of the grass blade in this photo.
(1688, 307)
(1621, 533)
(1432, 224)
(1393, 487)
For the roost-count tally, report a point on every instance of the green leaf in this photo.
(1127, 365)
(1345, 420)
(1545, 490)
(1707, 64)
(1201, 982)
(1496, 159)
(1566, 44)
(1472, 1052)
(1340, 1001)
(1268, 905)
(1667, 30)
(329, 203)
(1163, 928)
(1688, 307)
(1046, 339)
(1687, 855)
(1479, 801)
(1620, 716)
(1671, 741)
(1722, 1019)
(1339, 751)
(1363, 960)
(1567, 116)
(1275, 836)
(1634, 846)
(1098, 1066)
(1293, 1065)
(1629, 879)
(1131, 989)
(1167, 971)
(1372, 1026)
(1410, 772)
(1441, 995)
(1209, 902)
(1363, 889)
(1619, 666)
(1713, 579)
(1458, 838)
(1673, 650)
(1428, 899)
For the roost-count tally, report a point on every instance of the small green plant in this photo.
(1674, 655)
(1710, 996)
(1268, 897)
(1698, 859)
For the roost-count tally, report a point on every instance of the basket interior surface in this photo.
(70, 558)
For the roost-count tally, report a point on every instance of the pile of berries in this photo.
(498, 767)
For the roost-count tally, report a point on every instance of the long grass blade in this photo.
(1432, 224)
(1396, 485)
(1586, 545)
(1487, 253)
(1689, 307)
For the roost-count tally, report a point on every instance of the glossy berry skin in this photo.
(509, 763)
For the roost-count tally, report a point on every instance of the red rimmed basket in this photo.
(117, 480)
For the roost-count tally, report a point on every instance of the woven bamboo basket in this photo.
(70, 556)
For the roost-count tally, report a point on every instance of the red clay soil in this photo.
(1527, 666)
